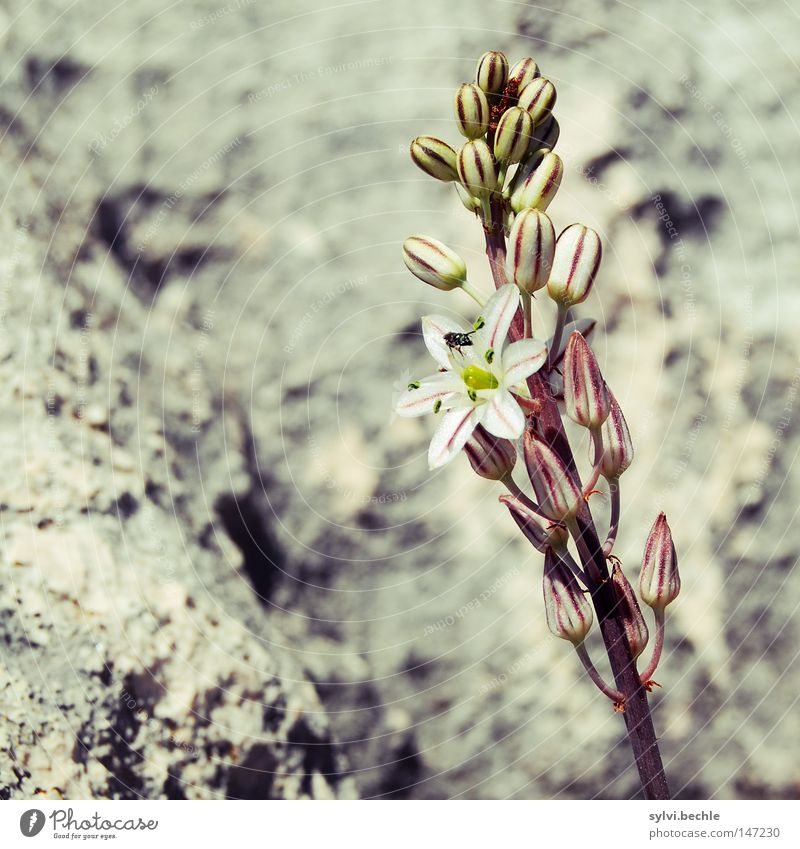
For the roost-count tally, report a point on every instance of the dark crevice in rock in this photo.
(244, 522)
(403, 774)
(63, 73)
(319, 755)
(243, 517)
(144, 211)
(122, 761)
(255, 776)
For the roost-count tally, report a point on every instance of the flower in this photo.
(476, 378)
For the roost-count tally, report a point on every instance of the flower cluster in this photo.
(494, 383)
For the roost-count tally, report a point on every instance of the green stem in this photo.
(473, 293)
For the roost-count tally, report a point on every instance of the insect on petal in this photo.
(434, 328)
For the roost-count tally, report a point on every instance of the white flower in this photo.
(476, 378)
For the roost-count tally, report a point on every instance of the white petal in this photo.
(438, 387)
(498, 315)
(522, 359)
(503, 416)
(433, 329)
(452, 434)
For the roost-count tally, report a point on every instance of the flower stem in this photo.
(561, 319)
(486, 207)
(604, 688)
(638, 720)
(564, 554)
(496, 245)
(550, 427)
(473, 293)
(613, 525)
(657, 647)
(597, 439)
(511, 485)
(527, 314)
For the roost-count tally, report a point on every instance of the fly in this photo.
(456, 341)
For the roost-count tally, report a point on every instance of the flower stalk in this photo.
(497, 384)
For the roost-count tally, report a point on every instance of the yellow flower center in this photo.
(478, 378)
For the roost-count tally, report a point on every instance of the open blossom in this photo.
(479, 374)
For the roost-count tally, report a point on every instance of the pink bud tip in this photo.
(659, 581)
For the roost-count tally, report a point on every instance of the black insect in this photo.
(457, 341)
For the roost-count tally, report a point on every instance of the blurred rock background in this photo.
(225, 570)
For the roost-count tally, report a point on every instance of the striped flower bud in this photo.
(541, 185)
(586, 396)
(530, 523)
(538, 99)
(490, 456)
(617, 444)
(630, 612)
(659, 581)
(492, 72)
(568, 610)
(435, 157)
(556, 491)
(546, 134)
(434, 263)
(477, 168)
(531, 245)
(577, 259)
(527, 521)
(472, 111)
(522, 73)
(514, 131)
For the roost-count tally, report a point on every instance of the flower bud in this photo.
(630, 612)
(435, 157)
(472, 111)
(522, 73)
(577, 259)
(477, 168)
(546, 134)
(556, 491)
(586, 396)
(434, 263)
(527, 521)
(541, 185)
(490, 456)
(492, 72)
(531, 245)
(514, 131)
(538, 99)
(659, 581)
(568, 610)
(530, 523)
(617, 444)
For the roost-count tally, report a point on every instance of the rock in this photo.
(211, 255)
